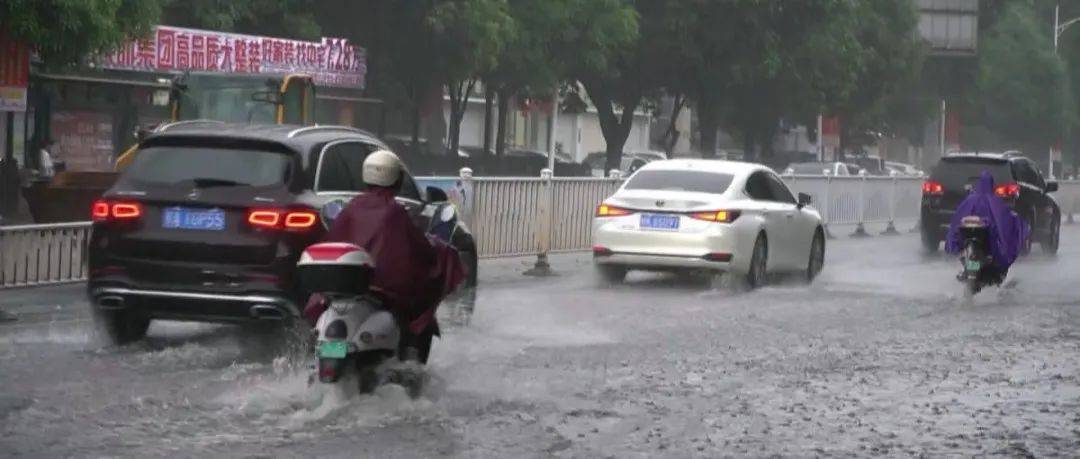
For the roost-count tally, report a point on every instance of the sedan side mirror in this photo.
(435, 194)
(804, 200)
(1051, 186)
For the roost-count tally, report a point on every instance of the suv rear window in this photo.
(955, 173)
(173, 165)
(693, 181)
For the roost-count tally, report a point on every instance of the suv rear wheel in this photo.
(930, 241)
(121, 327)
(1053, 238)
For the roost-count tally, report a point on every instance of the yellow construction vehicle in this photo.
(256, 99)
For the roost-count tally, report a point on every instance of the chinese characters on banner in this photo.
(14, 74)
(332, 62)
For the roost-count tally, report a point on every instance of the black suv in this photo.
(208, 221)
(1016, 180)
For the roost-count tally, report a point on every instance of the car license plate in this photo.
(660, 222)
(333, 349)
(194, 219)
(972, 265)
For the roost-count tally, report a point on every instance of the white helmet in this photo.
(382, 168)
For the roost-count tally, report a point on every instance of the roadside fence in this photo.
(43, 254)
(521, 216)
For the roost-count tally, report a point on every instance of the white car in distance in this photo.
(712, 216)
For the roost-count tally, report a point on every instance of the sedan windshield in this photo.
(692, 181)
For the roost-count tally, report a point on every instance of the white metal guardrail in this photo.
(862, 200)
(43, 254)
(519, 216)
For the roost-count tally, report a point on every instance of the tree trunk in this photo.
(616, 128)
(459, 102)
(489, 108)
(500, 131)
(671, 137)
(416, 126)
(708, 122)
(748, 146)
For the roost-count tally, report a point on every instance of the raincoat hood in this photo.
(1008, 231)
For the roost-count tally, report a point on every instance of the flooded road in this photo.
(881, 356)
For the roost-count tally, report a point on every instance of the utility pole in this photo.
(553, 129)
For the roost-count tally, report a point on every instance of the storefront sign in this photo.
(332, 62)
(14, 74)
(84, 140)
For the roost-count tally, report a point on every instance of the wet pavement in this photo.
(880, 357)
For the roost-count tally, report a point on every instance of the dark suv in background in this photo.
(208, 221)
(1016, 180)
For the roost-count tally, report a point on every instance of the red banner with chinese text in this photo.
(331, 62)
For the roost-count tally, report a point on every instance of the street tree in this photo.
(1023, 88)
(65, 32)
(469, 36)
(885, 97)
(789, 60)
(624, 68)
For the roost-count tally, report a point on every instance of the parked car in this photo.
(1017, 181)
(873, 165)
(835, 169)
(904, 169)
(528, 153)
(631, 161)
(208, 222)
(707, 215)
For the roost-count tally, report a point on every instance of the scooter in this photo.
(975, 255)
(356, 335)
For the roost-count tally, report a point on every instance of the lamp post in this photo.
(1059, 28)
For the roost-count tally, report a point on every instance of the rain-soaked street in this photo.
(880, 357)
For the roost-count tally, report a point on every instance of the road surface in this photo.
(880, 357)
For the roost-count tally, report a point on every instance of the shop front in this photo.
(87, 119)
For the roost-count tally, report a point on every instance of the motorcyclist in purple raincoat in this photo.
(1007, 231)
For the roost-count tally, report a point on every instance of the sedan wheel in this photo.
(755, 278)
(611, 274)
(817, 257)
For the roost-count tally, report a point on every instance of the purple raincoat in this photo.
(1007, 230)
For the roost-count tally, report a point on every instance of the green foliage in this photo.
(885, 96)
(65, 31)
(1023, 87)
(469, 36)
(279, 18)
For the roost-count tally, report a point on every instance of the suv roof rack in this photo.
(315, 128)
(165, 127)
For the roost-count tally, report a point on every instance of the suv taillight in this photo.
(1008, 190)
(289, 220)
(105, 210)
(933, 188)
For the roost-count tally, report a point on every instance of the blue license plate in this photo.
(333, 349)
(193, 219)
(660, 222)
